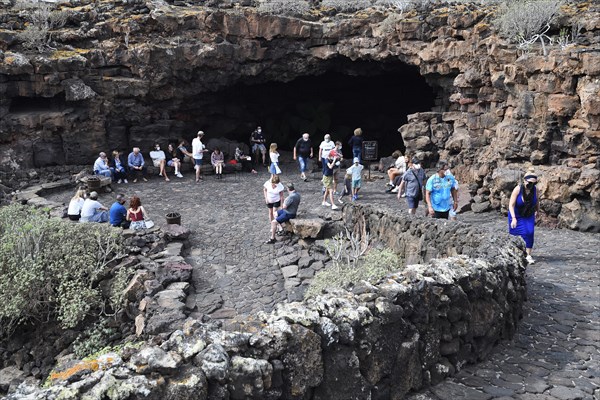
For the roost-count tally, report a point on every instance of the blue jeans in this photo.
(105, 172)
(302, 160)
(324, 161)
(356, 152)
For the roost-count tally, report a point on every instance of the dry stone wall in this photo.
(410, 330)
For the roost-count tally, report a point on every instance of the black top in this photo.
(303, 147)
(355, 141)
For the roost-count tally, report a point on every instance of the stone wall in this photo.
(410, 330)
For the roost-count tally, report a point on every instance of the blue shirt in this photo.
(117, 214)
(135, 161)
(441, 192)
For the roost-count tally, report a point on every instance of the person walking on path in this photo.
(289, 211)
(413, 183)
(523, 209)
(136, 214)
(136, 164)
(441, 195)
(336, 153)
(198, 150)
(92, 210)
(356, 142)
(302, 152)
(257, 141)
(356, 171)
(159, 159)
(324, 148)
(273, 192)
(328, 183)
(274, 156)
(217, 160)
(452, 213)
(118, 213)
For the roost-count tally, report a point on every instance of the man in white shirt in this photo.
(198, 150)
(92, 210)
(101, 165)
(159, 159)
(324, 148)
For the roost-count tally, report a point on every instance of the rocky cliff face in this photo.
(128, 73)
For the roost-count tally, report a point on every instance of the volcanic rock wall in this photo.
(128, 73)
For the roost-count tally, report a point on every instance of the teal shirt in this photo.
(441, 192)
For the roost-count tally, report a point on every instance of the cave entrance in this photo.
(344, 95)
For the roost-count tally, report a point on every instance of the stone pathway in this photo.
(554, 355)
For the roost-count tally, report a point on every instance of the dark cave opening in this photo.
(374, 96)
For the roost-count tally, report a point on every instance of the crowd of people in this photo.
(407, 179)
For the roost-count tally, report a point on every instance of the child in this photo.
(356, 171)
(337, 155)
(274, 155)
(347, 191)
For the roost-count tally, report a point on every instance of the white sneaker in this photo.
(529, 259)
(125, 181)
(334, 207)
(394, 190)
(179, 175)
(119, 181)
(341, 201)
(325, 204)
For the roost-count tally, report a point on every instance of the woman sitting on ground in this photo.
(136, 214)
(217, 159)
(74, 211)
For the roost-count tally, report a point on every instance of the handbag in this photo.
(419, 195)
(277, 169)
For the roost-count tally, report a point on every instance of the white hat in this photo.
(356, 160)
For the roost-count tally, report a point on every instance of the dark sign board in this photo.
(370, 150)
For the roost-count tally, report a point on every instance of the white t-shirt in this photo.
(326, 147)
(401, 164)
(356, 171)
(75, 206)
(197, 149)
(274, 157)
(273, 194)
(157, 155)
(89, 208)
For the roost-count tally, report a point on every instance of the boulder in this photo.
(154, 359)
(307, 228)
(175, 232)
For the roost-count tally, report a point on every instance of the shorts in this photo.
(284, 216)
(327, 181)
(441, 214)
(198, 161)
(260, 147)
(356, 183)
(274, 205)
(156, 161)
(170, 163)
(412, 202)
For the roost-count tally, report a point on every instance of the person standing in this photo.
(356, 171)
(198, 150)
(159, 159)
(274, 156)
(302, 152)
(289, 211)
(92, 210)
(117, 215)
(324, 148)
(413, 183)
(452, 213)
(273, 192)
(101, 166)
(257, 141)
(441, 195)
(136, 164)
(523, 209)
(328, 183)
(356, 142)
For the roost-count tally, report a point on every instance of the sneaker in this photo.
(336, 193)
(125, 181)
(145, 180)
(354, 198)
(280, 233)
(325, 204)
(179, 175)
(389, 189)
(270, 241)
(403, 195)
(305, 179)
(395, 190)
(135, 181)
(323, 190)
(389, 184)
(334, 207)
(119, 181)
(340, 201)
(529, 259)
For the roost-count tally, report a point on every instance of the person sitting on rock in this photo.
(397, 170)
(173, 159)
(118, 213)
(245, 160)
(217, 159)
(118, 168)
(159, 159)
(74, 210)
(136, 164)
(183, 153)
(101, 165)
(289, 211)
(92, 210)
(136, 214)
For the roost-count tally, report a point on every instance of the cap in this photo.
(356, 160)
(93, 195)
(416, 161)
(290, 186)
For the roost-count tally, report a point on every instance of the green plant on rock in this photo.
(42, 19)
(353, 262)
(50, 268)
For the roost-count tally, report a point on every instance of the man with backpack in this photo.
(413, 185)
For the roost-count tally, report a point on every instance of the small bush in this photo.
(284, 7)
(345, 5)
(42, 19)
(51, 268)
(371, 267)
(522, 20)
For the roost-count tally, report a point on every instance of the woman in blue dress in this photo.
(523, 210)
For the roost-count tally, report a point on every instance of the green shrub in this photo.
(50, 268)
(524, 20)
(371, 267)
